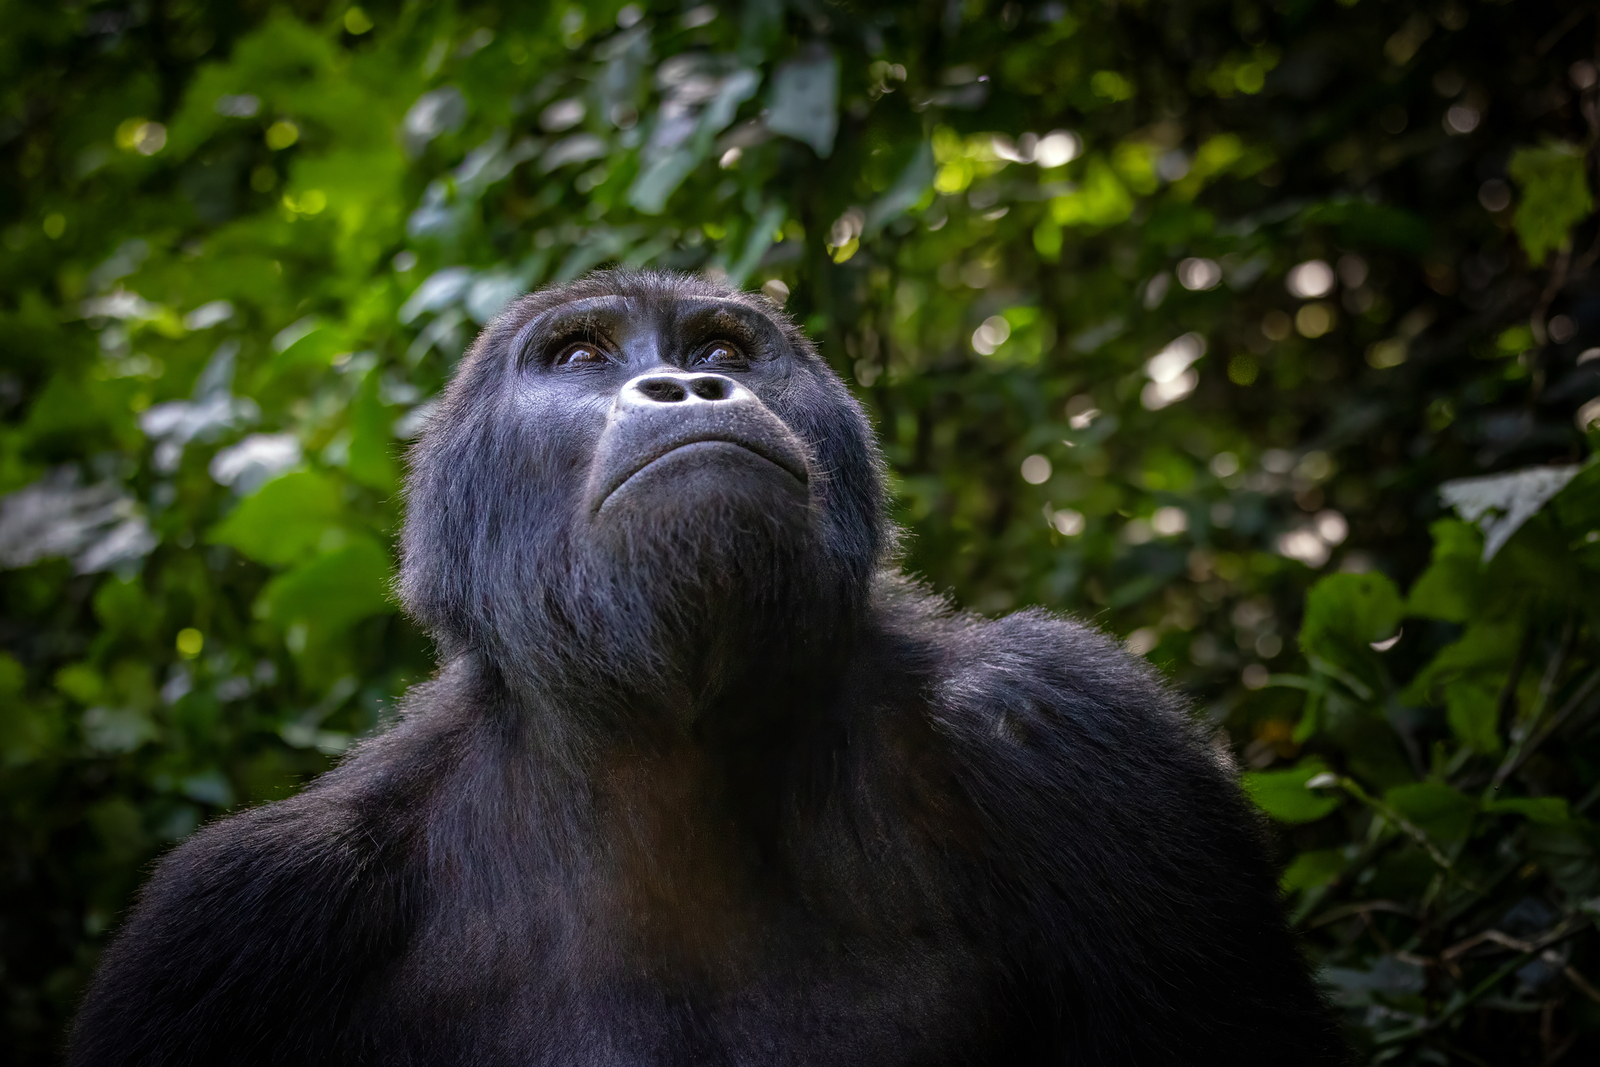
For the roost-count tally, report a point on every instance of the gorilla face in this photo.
(648, 485)
(685, 434)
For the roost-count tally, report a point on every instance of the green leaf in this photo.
(1501, 503)
(1550, 810)
(602, 244)
(658, 181)
(1177, 221)
(118, 825)
(1577, 505)
(1363, 224)
(1101, 200)
(372, 443)
(26, 730)
(1312, 869)
(285, 520)
(1346, 613)
(1363, 733)
(908, 189)
(81, 682)
(122, 606)
(1483, 653)
(11, 678)
(1454, 583)
(1555, 196)
(1566, 852)
(756, 245)
(1284, 796)
(1444, 814)
(334, 590)
(308, 343)
(1474, 714)
(1047, 239)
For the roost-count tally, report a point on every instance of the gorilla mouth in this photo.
(791, 464)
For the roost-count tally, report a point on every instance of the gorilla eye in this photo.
(723, 354)
(580, 352)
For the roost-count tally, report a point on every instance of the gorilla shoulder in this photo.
(1024, 677)
(1044, 715)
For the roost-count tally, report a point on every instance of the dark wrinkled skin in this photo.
(701, 780)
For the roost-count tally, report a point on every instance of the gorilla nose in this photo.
(661, 387)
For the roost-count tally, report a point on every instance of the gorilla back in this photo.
(701, 780)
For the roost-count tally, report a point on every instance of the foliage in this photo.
(1162, 311)
(1454, 858)
(1556, 195)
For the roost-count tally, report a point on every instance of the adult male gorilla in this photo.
(701, 782)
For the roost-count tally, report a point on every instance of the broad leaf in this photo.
(1284, 795)
(1346, 613)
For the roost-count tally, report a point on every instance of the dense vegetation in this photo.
(1196, 318)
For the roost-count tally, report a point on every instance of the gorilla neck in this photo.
(712, 645)
(739, 707)
(724, 666)
(731, 605)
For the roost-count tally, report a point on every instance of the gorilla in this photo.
(702, 779)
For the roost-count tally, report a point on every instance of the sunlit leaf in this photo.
(333, 590)
(284, 520)
(1101, 200)
(1501, 503)
(1555, 196)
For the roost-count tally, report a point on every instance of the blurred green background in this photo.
(1264, 334)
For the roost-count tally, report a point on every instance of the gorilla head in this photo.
(645, 479)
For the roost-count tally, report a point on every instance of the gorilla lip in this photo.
(791, 465)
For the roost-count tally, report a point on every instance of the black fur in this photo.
(702, 782)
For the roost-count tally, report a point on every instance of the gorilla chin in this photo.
(707, 538)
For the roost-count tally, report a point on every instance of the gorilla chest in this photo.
(791, 991)
(803, 995)
(708, 959)
(665, 924)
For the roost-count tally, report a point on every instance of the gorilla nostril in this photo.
(663, 390)
(710, 388)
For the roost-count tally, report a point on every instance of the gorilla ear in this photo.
(451, 473)
(423, 584)
(443, 522)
